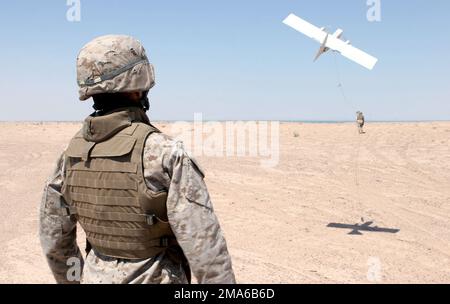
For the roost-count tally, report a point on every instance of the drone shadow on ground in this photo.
(357, 228)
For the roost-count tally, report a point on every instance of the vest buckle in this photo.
(150, 219)
(164, 242)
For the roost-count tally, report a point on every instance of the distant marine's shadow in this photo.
(357, 228)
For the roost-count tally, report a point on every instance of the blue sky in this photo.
(234, 59)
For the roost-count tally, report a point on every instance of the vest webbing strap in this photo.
(104, 165)
(112, 216)
(102, 184)
(126, 245)
(108, 208)
(118, 231)
(105, 200)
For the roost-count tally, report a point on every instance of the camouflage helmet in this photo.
(112, 64)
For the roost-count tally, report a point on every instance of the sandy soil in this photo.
(397, 175)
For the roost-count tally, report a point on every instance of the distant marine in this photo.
(360, 121)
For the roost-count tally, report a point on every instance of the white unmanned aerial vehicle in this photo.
(332, 42)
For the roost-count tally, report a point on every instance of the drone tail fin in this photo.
(323, 48)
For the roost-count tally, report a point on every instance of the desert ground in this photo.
(276, 219)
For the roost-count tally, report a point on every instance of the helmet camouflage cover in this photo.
(112, 64)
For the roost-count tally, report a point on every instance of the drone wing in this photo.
(351, 52)
(305, 28)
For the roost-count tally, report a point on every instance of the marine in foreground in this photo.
(137, 194)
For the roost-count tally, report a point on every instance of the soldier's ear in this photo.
(145, 103)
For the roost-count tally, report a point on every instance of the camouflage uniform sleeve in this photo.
(189, 210)
(57, 231)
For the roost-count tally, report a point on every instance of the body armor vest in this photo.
(105, 187)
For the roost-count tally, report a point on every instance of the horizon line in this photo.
(243, 120)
